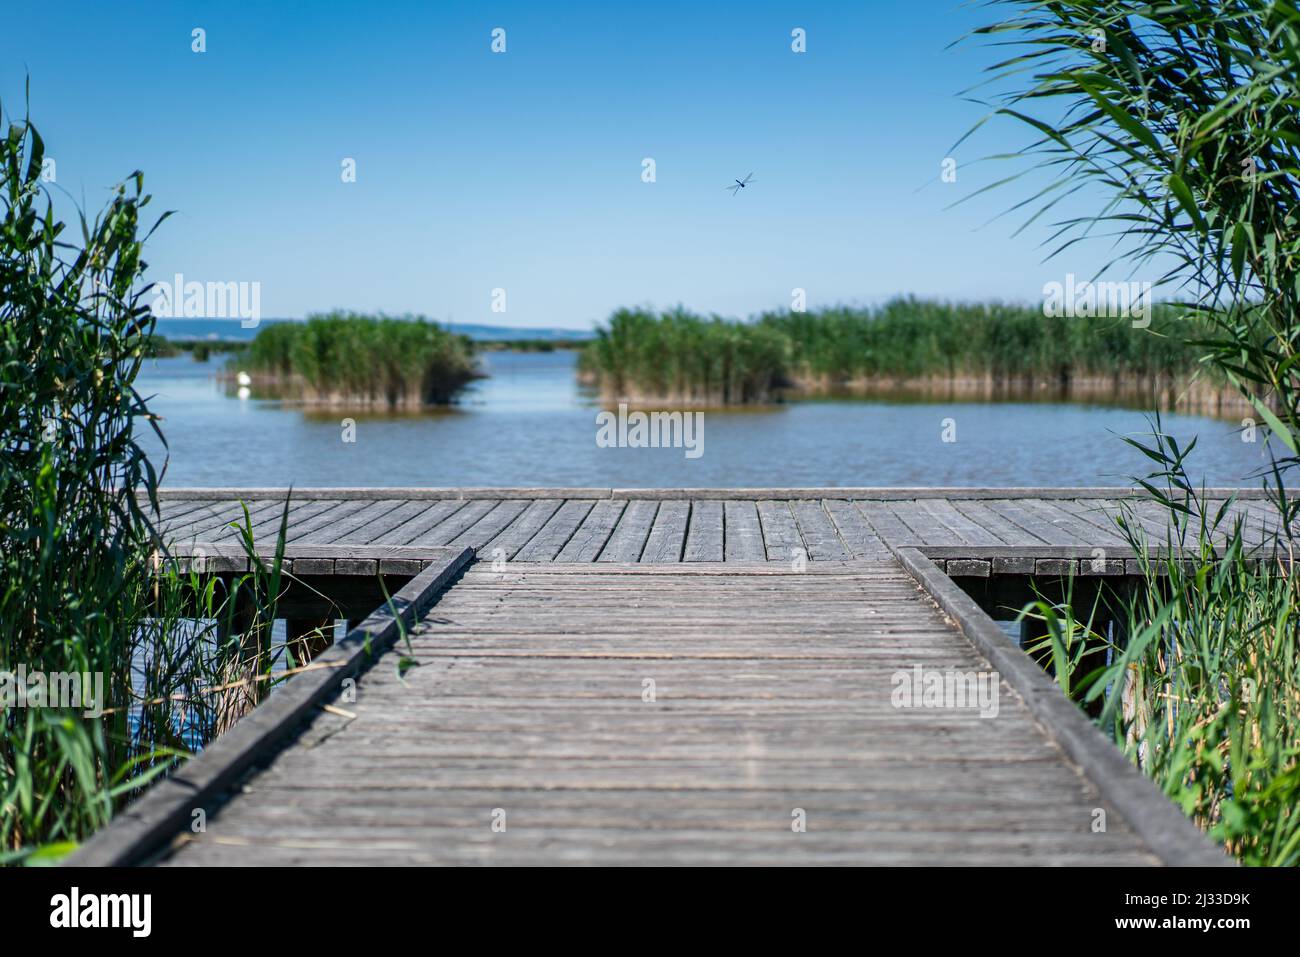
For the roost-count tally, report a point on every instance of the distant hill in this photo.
(481, 332)
(218, 329)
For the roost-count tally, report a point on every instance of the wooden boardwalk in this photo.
(657, 526)
(771, 698)
(667, 677)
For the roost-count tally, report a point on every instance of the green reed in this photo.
(349, 357)
(87, 586)
(75, 538)
(1181, 116)
(1201, 685)
(678, 355)
(1205, 694)
(918, 339)
(684, 357)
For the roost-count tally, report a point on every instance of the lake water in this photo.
(530, 424)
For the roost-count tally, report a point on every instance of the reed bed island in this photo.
(350, 359)
(907, 346)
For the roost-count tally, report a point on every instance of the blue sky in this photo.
(522, 170)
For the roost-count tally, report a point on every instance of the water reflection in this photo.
(530, 423)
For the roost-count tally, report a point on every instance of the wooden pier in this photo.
(665, 677)
(657, 526)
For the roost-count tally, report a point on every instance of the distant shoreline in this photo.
(230, 330)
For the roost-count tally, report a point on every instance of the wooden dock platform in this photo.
(684, 525)
(667, 677)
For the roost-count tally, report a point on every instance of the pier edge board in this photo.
(887, 493)
(149, 823)
(1173, 838)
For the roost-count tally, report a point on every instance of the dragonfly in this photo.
(740, 184)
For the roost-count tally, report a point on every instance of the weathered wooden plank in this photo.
(429, 517)
(1086, 533)
(701, 592)
(1015, 513)
(668, 535)
(629, 537)
(854, 530)
(264, 522)
(715, 569)
(617, 848)
(704, 534)
(706, 804)
(385, 526)
(980, 513)
(300, 530)
(208, 515)
(1262, 523)
(742, 533)
(455, 523)
(1082, 533)
(301, 517)
(1149, 521)
(521, 531)
(746, 830)
(555, 534)
(361, 518)
(962, 526)
(818, 532)
(490, 525)
(887, 525)
(887, 493)
(174, 511)
(593, 533)
(780, 532)
(923, 524)
(1094, 519)
(212, 522)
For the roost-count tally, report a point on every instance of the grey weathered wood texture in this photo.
(772, 696)
(168, 807)
(772, 623)
(664, 494)
(1162, 827)
(664, 525)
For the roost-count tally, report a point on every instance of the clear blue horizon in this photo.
(522, 170)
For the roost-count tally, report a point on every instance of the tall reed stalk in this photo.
(87, 587)
(1200, 684)
(1178, 119)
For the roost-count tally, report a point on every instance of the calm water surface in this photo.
(529, 424)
